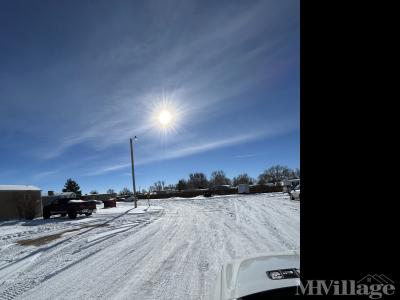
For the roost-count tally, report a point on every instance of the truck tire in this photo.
(72, 215)
(207, 194)
(46, 214)
(88, 214)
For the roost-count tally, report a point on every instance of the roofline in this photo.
(19, 187)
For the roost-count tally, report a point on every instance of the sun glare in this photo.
(165, 118)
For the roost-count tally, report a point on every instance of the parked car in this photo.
(295, 193)
(271, 275)
(72, 207)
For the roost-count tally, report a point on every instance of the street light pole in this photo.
(133, 173)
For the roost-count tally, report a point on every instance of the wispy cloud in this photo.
(182, 152)
(203, 147)
(193, 148)
(111, 130)
(108, 169)
(247, 155)
(225, 67)
(208, 65)
(42, 175)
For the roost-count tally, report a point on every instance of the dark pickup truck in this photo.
(72, 207)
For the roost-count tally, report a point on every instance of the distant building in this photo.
(100, 197)
(265, 188)
(20, 202)
(169, 190)
(292, 182)
(160, 192)
(222, 187)
(243, 189)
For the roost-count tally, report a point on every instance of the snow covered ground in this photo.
(171, 251)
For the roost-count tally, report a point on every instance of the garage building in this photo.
(20, 202)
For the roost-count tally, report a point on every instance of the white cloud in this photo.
(193, 148)
(108, 169)
(39, 176)
(246, 155)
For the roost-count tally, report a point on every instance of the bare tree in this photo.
(182, 185)
(276, 174)
(110, 191)
(243, 179)
(158, 186)
(171, 187)
(262, 179)
(219, 178)
(197, 181)
(125, 191)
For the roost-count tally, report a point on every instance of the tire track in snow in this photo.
(61, 256)
(175, 256)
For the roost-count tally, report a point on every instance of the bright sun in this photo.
(165, 118)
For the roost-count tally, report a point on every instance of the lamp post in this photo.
(133, 171)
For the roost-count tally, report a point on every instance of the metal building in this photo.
(243, 189)
(20, 202)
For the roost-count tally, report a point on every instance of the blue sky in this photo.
(78, 78)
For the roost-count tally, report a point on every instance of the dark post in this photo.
(133, 175)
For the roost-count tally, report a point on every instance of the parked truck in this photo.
(66, 206)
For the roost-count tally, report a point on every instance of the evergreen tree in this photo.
(72, 186)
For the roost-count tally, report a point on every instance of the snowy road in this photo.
(172, 251)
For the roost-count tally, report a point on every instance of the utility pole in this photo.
(133, 173)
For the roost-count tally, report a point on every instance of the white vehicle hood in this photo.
(249, 275)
